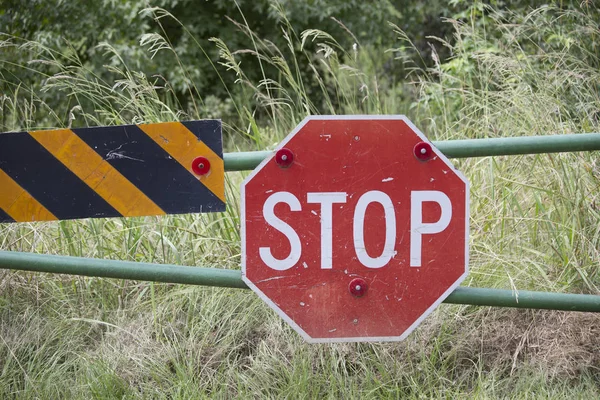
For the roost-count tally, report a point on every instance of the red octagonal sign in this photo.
(355, 229)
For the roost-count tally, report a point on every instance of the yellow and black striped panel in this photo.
(116, 171)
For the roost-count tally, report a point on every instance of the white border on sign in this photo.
(278, 310)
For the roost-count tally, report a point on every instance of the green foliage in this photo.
(538, 72)
(169, 42)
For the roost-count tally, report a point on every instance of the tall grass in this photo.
(534, 225)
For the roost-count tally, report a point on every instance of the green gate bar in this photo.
(233, 279)
(465, 148)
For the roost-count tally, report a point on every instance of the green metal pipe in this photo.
(233, 279)
(121, 269)
(466, 148)
(244, 160)
(524, 299)
(519, 145)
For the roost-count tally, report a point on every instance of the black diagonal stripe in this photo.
(145, 164)
(209, 131)
(4, 217)
(48, 180)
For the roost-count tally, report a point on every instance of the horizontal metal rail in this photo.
(233, 279)
(244, 161)
(133, 270)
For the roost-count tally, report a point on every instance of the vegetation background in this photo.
(458, 69)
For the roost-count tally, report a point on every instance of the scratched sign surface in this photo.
(355, 229)
(115, 171)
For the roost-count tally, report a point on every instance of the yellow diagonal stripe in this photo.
(184, 146)
(97, 173)
(18, 203)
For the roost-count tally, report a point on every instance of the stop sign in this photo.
(355, 229)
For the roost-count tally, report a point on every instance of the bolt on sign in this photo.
(115, 171)
(355, 229)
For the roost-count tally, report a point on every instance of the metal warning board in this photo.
(116, 171)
